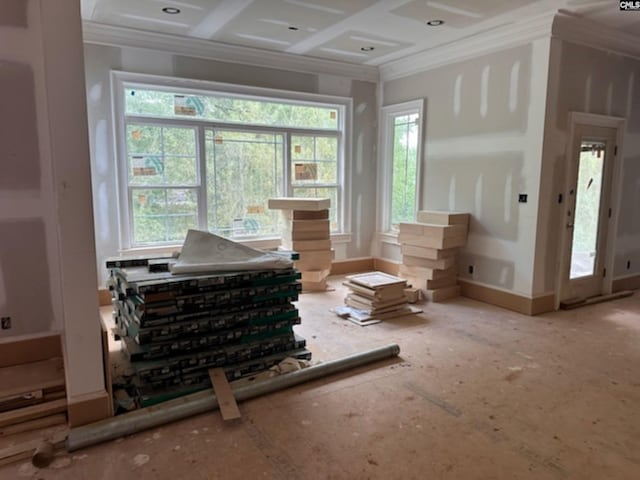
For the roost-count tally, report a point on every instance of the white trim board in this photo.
(493, 40)
(100, 34)
(575, 29)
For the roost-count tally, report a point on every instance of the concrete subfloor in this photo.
(477, 393)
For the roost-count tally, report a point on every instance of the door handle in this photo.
(569, 225)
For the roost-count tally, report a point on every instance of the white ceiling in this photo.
(367, 32)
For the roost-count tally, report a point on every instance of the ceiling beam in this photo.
(101, 34)
(352, 22)
(219, 17)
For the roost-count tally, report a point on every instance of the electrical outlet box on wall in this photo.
(6, 321)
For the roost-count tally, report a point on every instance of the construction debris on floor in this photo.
(176, 327)
(306, 231)
(32, 396)
(373, 297)
(430, 249)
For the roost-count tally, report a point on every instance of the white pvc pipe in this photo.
(202, 402)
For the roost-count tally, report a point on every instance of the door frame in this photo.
(590, 119)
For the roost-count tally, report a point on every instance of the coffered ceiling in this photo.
(366, 32)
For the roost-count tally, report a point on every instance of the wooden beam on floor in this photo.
(224, 394)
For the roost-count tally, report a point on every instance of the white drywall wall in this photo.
(482, 147)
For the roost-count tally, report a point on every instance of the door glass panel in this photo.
(588, 194)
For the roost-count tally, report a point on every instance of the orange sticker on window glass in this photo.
(136, 134)
(297, 149)
(256, 209)
(332, 115)
(218, 139)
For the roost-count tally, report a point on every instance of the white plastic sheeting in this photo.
(206, 252)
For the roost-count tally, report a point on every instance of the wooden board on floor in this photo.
(32, 376)
(306, 215)
(571, 304)
(305, 245)
(375, 280)
(50, 421)
(442, 218)
(427, 263)
(31, 413)
(25, 450)
(426, 252)
(321, 226)
(224, 394)
(433, 242)
(295, 203)
(315, 275)
(442, 294)
(108, 382)
(427, 273)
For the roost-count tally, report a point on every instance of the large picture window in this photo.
(210, 158)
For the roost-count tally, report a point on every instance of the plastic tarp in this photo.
(206, 252)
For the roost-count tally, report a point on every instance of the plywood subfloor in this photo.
(478, 393)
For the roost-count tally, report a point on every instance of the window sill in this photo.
(388, 237)
(340, 237)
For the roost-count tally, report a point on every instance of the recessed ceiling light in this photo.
(171, 10)
(294, 28)
(367, 49)
(435, 23)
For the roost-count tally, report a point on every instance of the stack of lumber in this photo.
(430, 250)
(306, 231)
(32, 396)
(176, 328)
(378, 294)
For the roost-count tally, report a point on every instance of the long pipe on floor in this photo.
(203, 402)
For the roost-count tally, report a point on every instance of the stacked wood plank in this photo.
(32, 396)
(307, 231)
(430, 250)
(176, 328)
(378, 294)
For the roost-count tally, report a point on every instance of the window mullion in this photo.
(201, 158)
(288, 189)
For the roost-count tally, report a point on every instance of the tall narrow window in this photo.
(405, 168)
(400, 166)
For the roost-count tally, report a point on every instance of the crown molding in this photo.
(499, 38)
(576, 29)
(101, 34)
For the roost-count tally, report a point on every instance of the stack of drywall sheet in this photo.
(376, 293)
(306, 231)
(174, 328)
(430, 249)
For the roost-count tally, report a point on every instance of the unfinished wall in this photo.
(585, 79)
(28, 245)
(482, 147)
(100, 60)
(47, 255)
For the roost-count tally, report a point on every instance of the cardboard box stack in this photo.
(378, 294)
(306, 231)
(430, 249)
